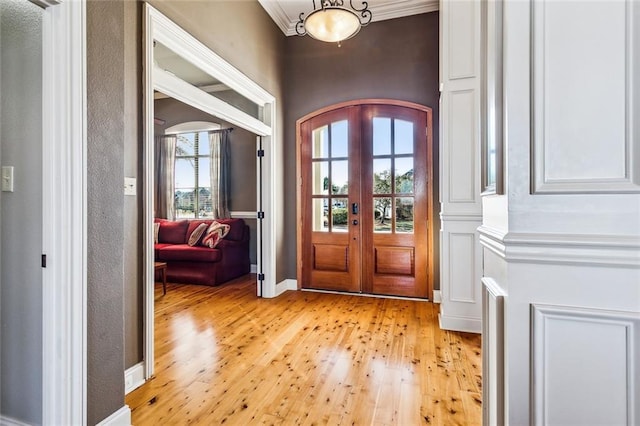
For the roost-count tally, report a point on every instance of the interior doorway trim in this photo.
(158, 27)
(64, 371)
(361, 102)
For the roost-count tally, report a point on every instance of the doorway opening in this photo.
(365, 196)
(180, 67)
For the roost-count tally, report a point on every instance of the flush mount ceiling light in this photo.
(333, 22)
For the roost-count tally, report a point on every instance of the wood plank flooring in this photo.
(223, 356)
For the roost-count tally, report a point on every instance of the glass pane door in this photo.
(393, 183)
(330, 177)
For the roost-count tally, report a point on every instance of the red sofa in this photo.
(200, 264)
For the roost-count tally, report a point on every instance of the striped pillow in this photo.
(156, 231)
(216, 232)
(197, 233)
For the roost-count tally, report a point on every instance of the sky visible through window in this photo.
(403, 138)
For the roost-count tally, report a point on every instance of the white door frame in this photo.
(157, 27)
(64, 213)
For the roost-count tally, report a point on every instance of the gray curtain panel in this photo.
(219, 141)
(165, 159)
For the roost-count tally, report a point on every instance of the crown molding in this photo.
(389, 10)
(279, 16)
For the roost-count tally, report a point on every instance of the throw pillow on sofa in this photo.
(216, 232)
(197, 233)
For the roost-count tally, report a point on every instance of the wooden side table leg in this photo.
(164, 280)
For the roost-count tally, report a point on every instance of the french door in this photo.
(364, 199)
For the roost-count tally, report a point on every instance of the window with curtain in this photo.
(193, 176)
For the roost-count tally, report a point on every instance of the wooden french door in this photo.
(364, 199)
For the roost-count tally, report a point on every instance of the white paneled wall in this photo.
(590, 149)
(493, 353)
(568, 360)
(461, 207)
(561, 247)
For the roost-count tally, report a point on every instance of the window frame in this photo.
(191, 127)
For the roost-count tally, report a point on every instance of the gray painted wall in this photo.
(395, 59)
(133, 216)
(106, 118)
(21, 211)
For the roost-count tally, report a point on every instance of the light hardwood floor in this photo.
(223, 356)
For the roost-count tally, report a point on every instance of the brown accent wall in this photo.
(394, 59)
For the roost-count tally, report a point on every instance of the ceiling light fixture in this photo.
(333, 22)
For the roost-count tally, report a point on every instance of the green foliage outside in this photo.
(339, 216)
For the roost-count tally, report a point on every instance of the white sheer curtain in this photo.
(165, 159)
(219, 145)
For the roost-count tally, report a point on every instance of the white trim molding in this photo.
(437, 296)
(286, 20)
(64, 313)
(133, 377)
(45, 3)
(493, 386)
(601, 250)
(603, 388)
(244, 214)
(180, 41)
(460, 323)
(184, 92)
(122, 417)
(191, 126)
(461, 217)
(286, 285)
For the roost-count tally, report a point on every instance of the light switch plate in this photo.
(7, 178)
(129, 186)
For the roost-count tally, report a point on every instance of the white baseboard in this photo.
(254, 269)
(122, 417)
(437, 296)
(285, 285)
(9, 421)
(469, 325)
(133, 377)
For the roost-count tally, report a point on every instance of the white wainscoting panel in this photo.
(585, 366)
(462, 30)
(573, 65)
(492, 353)
(462, 246)
(461, 271)
(462, 147)
(461, 207)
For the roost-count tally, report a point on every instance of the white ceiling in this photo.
(285, 13)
